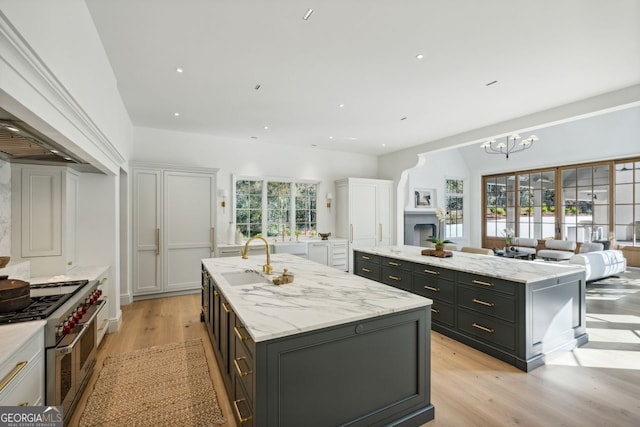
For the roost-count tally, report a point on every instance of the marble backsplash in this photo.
(5, 208)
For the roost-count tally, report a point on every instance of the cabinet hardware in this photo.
(11, 375)
(240, 417)
(365, 257)
(215, 293)
(104, 279)
(236, 362)
(482, 328)
(157, 241)
(397, 279)
(488, 304)
(213, 239)
(226, 308)
(395, 264)
(239, 334)
(431, 272)
(105, 322)
(23, 404)
(366, 270)
(480, 282)
(235, 251)
(202, 287)
(351, 227)
(435, 310)
(431, 288)
(380, 234)
(68, 263)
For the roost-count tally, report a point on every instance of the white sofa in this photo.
(601, 264)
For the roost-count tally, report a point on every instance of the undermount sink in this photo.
(247, 277)
(296, 248)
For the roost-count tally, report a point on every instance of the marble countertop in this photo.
(503, 268)
(15, 335)
(81, 272)
(319, 296)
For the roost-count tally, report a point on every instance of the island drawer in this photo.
(432, 271)
(484, 282)
(242, 407)
(487, 328)
(243, 339)
(396, 263)
(433, 287)
(489, 303)
(442, 312)
(396, 278)
(243, 366)
(361, 256)
(367, 269)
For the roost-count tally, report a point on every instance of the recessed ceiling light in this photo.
(256, 87)
(404, 118)
(314, 145)
(384, 145)
(491, 83)
(266, 128)
(307, 14)
(419, 56)
(55, 151)
(330, 137)
(12, 129)
(68, 158)
(254, 137)
(176, 114)
(340, 105)
(351, 138)
(179, 70)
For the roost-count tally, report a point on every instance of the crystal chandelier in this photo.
(510, 146)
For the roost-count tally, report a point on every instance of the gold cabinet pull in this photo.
(237, 361)
(215, 293)
(482, 328)
(157, 241)
(239, 334)
(231, 251)
(366, 270)
(226, 308)
(480, 282)
(213, 239)
(351, 229)
(12, 374)
(435, 310)
(365, 257)
(104, 279)
(395, 264)
(488, 304)
(236, 404)
(23, 404)
(397, 279)
(431, 288)
(380, 235)
(431, 272)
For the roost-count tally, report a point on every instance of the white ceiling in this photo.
(362, 54)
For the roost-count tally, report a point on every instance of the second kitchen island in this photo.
(330, 348)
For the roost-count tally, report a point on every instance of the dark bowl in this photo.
(325, 236)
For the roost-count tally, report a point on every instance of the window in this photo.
(266, 207)
(627, 203)
(454, 203)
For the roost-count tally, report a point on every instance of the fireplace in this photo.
(418, 227)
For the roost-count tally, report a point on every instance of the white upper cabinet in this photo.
(364, 213)
(44, 210)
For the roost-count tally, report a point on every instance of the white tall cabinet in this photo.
(364, 213)
(173, 227)
(44, 217)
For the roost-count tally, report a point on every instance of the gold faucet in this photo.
(267, 268)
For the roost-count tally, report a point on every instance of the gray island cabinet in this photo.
(329, 349)
(518, 311)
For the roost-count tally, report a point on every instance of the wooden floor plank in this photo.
(468, 388)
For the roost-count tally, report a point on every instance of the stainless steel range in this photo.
(70, 336)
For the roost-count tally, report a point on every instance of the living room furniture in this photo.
(526, 245)
(591, 247)
(557, 250)
(599, 264)
(480, 251)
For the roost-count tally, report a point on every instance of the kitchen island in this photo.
(521, 312)
(330, 348)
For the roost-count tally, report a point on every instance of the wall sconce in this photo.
(329, 198)
(223, 195)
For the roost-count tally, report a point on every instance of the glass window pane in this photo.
(585, 176)
(569, 178)
(624, 193)
(624, 173)
(601, 175)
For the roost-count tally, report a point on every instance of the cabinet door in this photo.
(362, 207)
(41, 212)
(71, 203)
(146, 231)
(188, 234)
(319, 252)
(384, 214)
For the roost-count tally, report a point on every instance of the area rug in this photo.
(167, 385)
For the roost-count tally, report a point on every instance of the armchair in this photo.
(557, 250)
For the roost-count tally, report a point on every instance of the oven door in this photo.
(71, 361)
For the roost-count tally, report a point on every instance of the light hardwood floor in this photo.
(595, 385)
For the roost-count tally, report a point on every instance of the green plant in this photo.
(437, 241)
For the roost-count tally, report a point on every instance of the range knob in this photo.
(77, 316)
(66, 329)
(83, 310)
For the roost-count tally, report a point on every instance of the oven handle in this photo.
(59, 351)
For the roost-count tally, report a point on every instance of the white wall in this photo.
(252, 158)
(5, 208)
